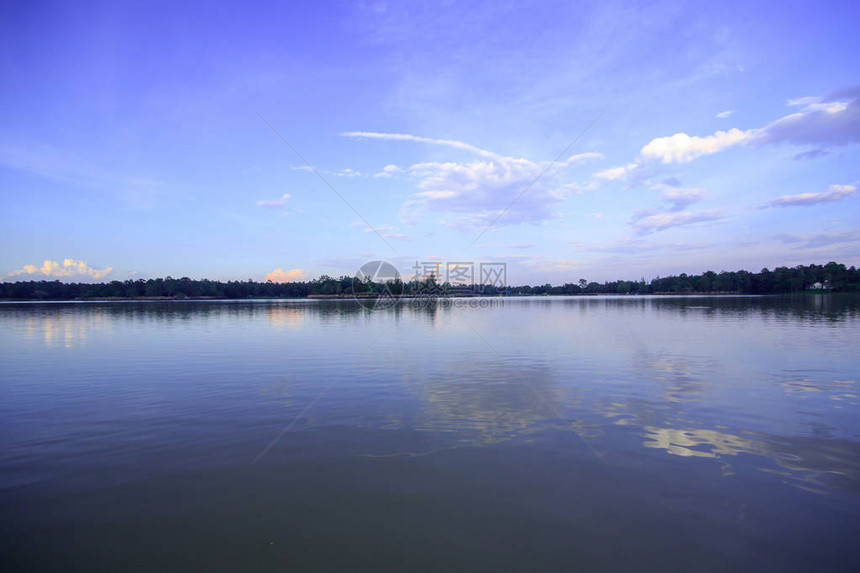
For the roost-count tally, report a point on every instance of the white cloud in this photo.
(388, 171)
(725, 114)
(836, 193)
(483, 188)
(830, 121)
(281, 276)
(614, 173)
(682, 148)
(68, 268)
(274, 203)
(814, 103)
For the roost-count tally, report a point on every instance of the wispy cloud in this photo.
(836, 193)
(580, 158)
(725, 114)
(672, 214)
(812, 154)
(347, 172)
(680, 197)
(136, 191)
(633, 246)
(470, 194)
(388, 232)
(649, 222)
(274, 203)
(818, 240)
(68, 268)
(549, 265)
(418, 139)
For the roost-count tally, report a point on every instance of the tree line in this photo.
(781, 280)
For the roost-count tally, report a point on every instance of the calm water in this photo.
(563, 434)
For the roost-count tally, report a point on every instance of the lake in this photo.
(519, 434)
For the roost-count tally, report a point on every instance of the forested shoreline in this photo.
(833, 277)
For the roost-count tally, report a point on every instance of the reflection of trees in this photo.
(811, 308)
(199, 310)
(806, 308)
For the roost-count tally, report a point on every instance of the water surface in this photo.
(543, 434)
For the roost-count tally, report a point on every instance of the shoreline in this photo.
(367, 296)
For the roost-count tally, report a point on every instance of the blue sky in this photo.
(135, 143)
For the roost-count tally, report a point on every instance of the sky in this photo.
(599, 140)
